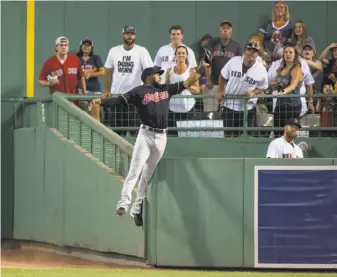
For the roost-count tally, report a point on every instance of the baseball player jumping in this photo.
(152, 101)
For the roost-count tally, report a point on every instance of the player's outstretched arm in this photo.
(108, 102)
(200, 72)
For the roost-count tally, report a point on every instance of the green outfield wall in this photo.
(199, 211)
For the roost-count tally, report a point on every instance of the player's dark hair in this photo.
(80, 52)
(182, 46)
(176, 27)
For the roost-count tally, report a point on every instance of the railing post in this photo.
(245, 117)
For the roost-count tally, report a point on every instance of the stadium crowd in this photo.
(284, 48)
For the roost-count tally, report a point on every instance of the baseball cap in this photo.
(87, 39)
(61, 39)
(289, 43)
(129, 29)
(293, 122)
(309, 42)
(252, 45)
(150, 71)
(226, 22)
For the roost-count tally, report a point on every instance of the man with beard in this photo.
(152, 100)
(123, 69)
(284, 147)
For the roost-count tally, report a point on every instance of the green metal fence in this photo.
(57, 112)
(61, 112)
(310, 121)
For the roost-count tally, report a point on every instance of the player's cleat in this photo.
(120, 211)
(138, 220)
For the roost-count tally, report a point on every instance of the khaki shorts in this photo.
(211, 104)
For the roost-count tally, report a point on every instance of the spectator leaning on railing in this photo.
(242, 75)
(307, 83)
(288, 81)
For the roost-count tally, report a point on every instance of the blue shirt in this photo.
(94, 62)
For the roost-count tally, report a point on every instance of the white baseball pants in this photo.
(149, 149)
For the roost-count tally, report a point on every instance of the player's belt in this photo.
(155, 130)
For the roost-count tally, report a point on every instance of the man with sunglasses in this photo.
(63, 71)
(241, 76)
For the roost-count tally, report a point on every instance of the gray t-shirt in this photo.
(284, 81)
(221, 55)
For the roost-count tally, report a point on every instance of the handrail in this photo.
(92, 123)
(75, 97)
(11, 99)
(41, 99)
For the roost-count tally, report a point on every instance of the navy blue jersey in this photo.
(274, 37)
(94, 62)
(151, 102)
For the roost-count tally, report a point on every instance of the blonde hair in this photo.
(287, 15)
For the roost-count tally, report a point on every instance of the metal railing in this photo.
(218, 123)
(57, 112)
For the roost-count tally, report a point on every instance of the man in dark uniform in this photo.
(152, 101)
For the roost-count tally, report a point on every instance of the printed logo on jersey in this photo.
(164, 59)
(277, 37)
(72, 70)
(58, 72)
(154, 97)
(290, 156)
(226, 54)
(287, 156)
(126, 65)
(248, 79)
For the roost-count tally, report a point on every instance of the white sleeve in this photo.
(272, 151)
(191, 59)
(299, 152)
(308, 79)
(272, 71)
(109, 61)
(146, 59)
(226, 69)
(157, 61)
(263, 84)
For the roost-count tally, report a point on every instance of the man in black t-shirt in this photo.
(152, 101)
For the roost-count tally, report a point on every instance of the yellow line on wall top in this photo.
(30, 48)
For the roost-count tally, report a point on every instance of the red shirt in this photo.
(69, 73)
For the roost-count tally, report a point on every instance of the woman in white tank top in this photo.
(180, 107)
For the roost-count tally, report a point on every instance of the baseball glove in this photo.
(207, 56)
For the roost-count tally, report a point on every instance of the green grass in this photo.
(147, 273)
